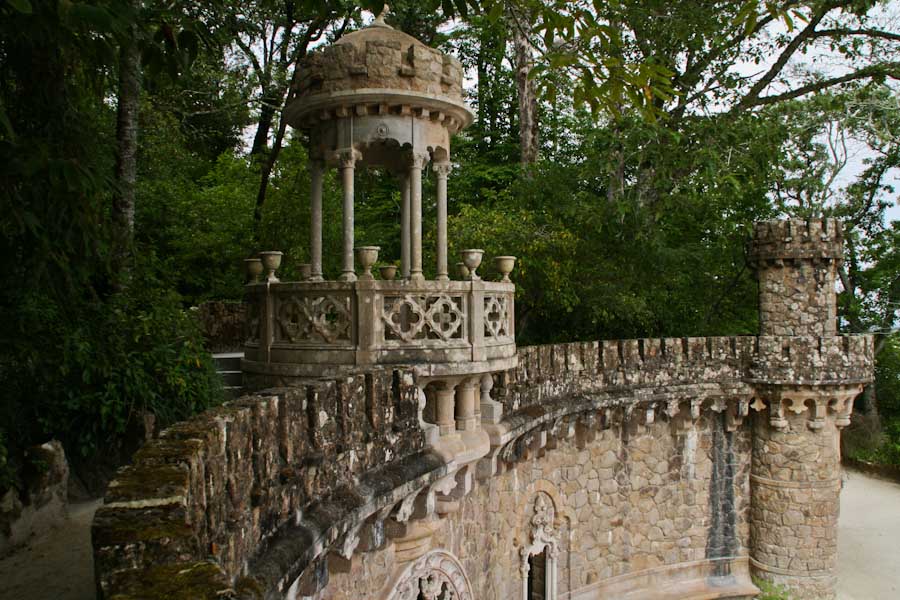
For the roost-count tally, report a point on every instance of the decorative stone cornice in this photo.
(819, 401)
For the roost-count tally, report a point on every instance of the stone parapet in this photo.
(280, 489)
(620, 367)
(796, 239)
(220, 486)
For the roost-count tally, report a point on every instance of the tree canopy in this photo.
(621, 149)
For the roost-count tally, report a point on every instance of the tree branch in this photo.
(891, 70)
(783, 58)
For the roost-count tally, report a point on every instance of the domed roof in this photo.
(378, 31)
(383, 64)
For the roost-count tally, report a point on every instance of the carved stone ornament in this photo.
(496, 316)
(438, 317)
(315, 319)
(437, 575)
(543, 536)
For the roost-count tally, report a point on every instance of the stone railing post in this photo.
(795, 466)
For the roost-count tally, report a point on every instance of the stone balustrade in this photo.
(331, 328)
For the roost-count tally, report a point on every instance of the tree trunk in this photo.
(129, 96)
(528, 108)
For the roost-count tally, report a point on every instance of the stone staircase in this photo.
(228, 366)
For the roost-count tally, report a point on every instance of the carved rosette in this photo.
(437, 575)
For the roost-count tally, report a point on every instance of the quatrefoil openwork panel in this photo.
(444, 318)
(496, 316)
(315, 319)
(404, 318)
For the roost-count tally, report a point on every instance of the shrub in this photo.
(84, 371)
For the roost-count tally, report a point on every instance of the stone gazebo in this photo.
(380, 98)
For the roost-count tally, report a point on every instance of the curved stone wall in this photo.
(644, 443)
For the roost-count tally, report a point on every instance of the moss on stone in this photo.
(201, 580)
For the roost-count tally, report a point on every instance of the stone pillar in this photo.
(416, 163)
(465, 404)
(442, 170)
(405, 233)
(796, 264)
(347, 162)
(316, 172)
(444, 411)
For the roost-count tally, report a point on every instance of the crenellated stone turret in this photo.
(804, 394)
(796, 263)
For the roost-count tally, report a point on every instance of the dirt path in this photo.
(869, 539)
(56, 566)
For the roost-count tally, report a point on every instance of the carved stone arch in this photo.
(561, 510)
(437, 575)
(539, 532)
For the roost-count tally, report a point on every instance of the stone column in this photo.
(444, 412)
(405, 233)
(465, 404)
(416, 163)
(347, 161)
(442, 170)
(316, 172)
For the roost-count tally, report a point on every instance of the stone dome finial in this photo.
(379, 18)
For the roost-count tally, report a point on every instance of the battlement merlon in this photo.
(796, 263)
(797, 239)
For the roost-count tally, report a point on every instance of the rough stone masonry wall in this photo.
(796, 471)
(795, 263)
(230, 485)
(631, 500)
(201, 506)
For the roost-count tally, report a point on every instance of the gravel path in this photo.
(58, 566)
(869, 539)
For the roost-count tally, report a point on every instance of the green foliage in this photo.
(885, 448)
(97, 366)
(770, 591)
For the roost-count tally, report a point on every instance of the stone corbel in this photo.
(650, 414)
(818, 411)
(696, 406)
(776, 413)
(740, 408)
(405, 508)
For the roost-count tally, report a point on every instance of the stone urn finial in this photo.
(254, 269)
(271, 260)
(472, 259)
(505, 266)
(367, 257)
(388, 272)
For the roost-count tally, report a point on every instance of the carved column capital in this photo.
(442, 169)
(416, 160)
(346, 157)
